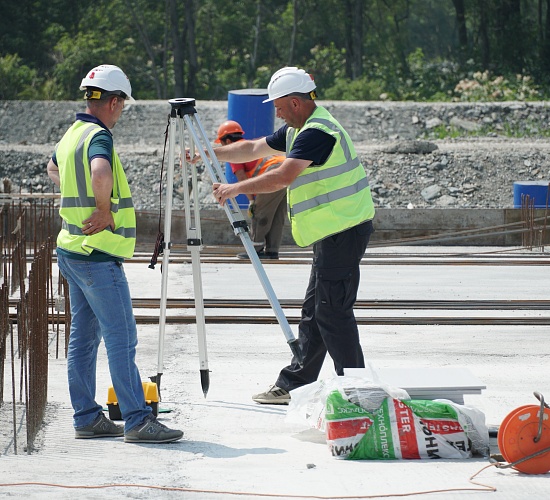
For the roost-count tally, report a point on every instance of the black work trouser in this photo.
(328, 323)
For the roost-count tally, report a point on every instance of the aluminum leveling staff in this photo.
(330, 207)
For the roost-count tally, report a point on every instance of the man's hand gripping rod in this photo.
(234, 214)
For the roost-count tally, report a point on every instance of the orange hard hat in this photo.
(228, 127)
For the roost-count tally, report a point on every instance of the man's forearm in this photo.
(243, 151)
(269, 182)
(264, 183)
(102, 186)
(53, 173)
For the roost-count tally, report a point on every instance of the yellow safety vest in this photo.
(78, 201)
(330, 198)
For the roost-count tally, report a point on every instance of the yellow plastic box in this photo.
(150, 391)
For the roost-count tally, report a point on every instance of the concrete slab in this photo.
(234, 446)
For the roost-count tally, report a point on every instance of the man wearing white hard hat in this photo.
(98, 232)
(330, 207)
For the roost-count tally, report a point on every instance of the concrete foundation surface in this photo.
(233, 447)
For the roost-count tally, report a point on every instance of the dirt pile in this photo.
(407, 163)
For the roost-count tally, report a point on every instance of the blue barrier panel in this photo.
(255, 117)
(536, 190)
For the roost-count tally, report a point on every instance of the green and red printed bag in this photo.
(403, 429)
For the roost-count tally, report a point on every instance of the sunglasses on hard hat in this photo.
(104, 94)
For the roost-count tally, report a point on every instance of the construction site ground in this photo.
(235, 448)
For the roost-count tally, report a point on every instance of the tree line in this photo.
(424, 50)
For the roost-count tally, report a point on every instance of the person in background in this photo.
(98, 232)
(330, 207)
(267, 211)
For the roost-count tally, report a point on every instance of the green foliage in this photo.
(361, 89)
(527, 128)
(410, 48)
(483, 86)
(431, 81)
(425, 81)
(76, 55)
(443, 132)
(524, 129)
(17, 81)
(327, 64)
(428, 80)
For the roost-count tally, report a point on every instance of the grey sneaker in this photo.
(152, 431)
(273, 396)
(100, 427)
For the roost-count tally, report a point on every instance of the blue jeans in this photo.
(101, 307)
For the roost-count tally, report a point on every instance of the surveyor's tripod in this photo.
(184, 124)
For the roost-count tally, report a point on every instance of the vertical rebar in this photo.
(13, 401)
(37, 342)
(4, 330)
(543, 237)
(29, 332)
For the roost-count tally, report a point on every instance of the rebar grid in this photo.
(26, 228)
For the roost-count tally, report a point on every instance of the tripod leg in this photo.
(240, 228)
(201, 322)
(166, 250)
(194, 245)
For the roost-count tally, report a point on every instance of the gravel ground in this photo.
(407, 165)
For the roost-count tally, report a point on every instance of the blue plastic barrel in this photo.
(536, 190)
(255, 117)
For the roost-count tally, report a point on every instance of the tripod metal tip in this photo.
(205, 381)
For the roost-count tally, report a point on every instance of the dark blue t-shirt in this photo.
(311, 144)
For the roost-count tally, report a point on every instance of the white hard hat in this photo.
(289, 80)
(110, 78)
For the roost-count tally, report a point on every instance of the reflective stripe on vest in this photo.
(126, 232)
(329, 198)
(77, 204)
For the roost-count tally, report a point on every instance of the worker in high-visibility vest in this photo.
(267, 211)
(329, 206)
(98, 231)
